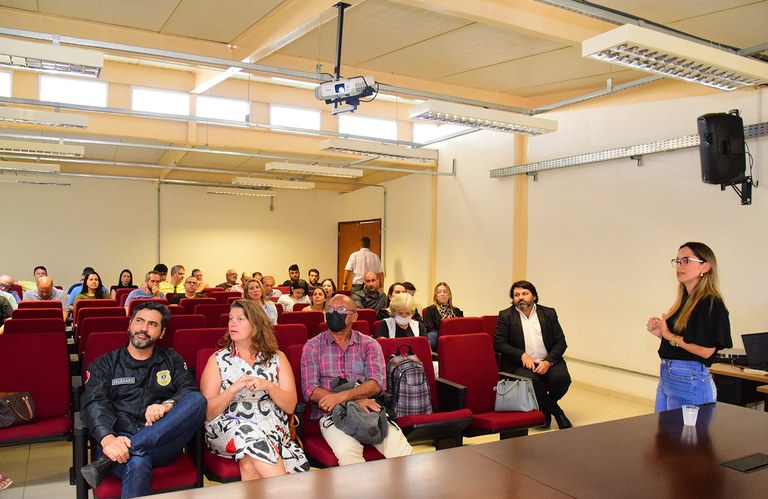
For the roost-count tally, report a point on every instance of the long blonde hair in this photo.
(707, 287)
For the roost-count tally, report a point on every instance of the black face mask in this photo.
(336, 321)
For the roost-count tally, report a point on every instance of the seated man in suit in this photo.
(532, 343)
(140, 404)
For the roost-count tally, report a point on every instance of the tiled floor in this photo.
(41, 471)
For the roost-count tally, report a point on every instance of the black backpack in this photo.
(408, 384)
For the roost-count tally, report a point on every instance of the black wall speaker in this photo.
(721, 146)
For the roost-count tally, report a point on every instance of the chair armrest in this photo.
(79, 456)
(450, 395)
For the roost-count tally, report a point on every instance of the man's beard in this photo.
(140, 343)
(523, 305)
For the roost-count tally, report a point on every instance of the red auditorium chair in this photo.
(469, 360)
(47, 325)
(367, 314)
(489, 324)
(461, 325)
(212, 312)
(290, 334)
(39, 365)
(311, 320)
(376, 326)
(286, 290)
(298, 307)
(318, 452)
(37, 313)
(40, 304)
(189, 304)
(445, 425)
(191, 321)
(188, 342)
(83, 304)
(121, 294)
(91, 325)
(222, 296)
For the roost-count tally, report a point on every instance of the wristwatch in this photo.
(169, 401)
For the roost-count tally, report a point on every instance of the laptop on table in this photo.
(756, 346)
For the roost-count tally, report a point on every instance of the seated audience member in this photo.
(6, 282)
(150, 288)
(38, 272)
(294, 274)
(317, 300)
(258, 275)
(532, 343)
(370, 296)
(244, 278)
(403, 321)
(6, 311)
(269, 287)
(342, 351)
(313, 278)
(298, 295)
(124, 282)
(329, 287)
(254, 291)
(77, 288)
(92, 288)
(201, 284)
(162, 270)
(176, 284)
(441, 308)
(140, 404)
(251, 392)
(47, 291)
(5, 291)
(395, 289)
(79, 284)
(231, 280)
(409, 288)
(190, 291)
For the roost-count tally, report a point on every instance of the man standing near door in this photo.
(361, 262)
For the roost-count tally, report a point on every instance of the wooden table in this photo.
(651, 456)
(734, 386)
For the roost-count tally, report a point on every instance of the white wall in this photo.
(602, 235)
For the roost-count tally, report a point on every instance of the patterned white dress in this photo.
(252, 425)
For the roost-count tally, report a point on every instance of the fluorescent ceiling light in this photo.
(328, 171)
(648, 50)
(50, 58)
(40, 148)
(275, 183)
(21, 166)
(241, 192)
(479, 117)
(379, 150)
(48, 118)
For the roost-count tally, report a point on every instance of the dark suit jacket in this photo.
(510, 342)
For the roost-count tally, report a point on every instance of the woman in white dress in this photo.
(251, 392)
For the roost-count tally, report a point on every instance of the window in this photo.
(424, 132)
(294, 117)
(154, 100)
(5, 83)
(222, 108)
(81, 91)
(368, 127)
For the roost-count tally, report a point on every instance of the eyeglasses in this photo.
(341, 310)
(191, 282)
(684, 261)
(4, 285)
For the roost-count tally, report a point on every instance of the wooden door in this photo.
(350, 234)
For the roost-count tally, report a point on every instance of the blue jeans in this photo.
(684, 382)
(159, 444)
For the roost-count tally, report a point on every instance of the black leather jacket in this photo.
(119, 388)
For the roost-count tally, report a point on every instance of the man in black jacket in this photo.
(532, 343)
(140, 404)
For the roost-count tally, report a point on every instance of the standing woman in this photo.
(250, 390)
(441, 308)
(692, 332)
(254, 290)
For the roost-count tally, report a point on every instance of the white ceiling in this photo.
(517, 53)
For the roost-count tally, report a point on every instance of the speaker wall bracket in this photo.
(745, 192)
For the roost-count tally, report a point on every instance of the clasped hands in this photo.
(331, 399)
(252, 383)
(535, 366)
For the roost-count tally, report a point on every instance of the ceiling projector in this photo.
(342, 89)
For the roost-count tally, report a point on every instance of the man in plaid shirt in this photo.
(340, 351)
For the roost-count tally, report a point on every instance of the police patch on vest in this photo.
(123, 381)
(163, 377)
